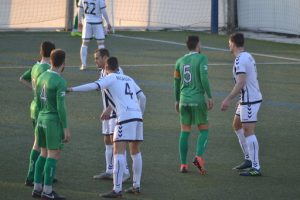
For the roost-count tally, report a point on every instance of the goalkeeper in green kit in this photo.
(52, 129)
(191, 84)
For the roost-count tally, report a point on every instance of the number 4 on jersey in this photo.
(128, 90)
(43, 95)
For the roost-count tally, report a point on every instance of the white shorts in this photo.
(131, 131)
(248, 113)
(108, 126)
(89, 30)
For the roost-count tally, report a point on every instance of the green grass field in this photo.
(150, 62)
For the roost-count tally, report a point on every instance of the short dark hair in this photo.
(192, 42)
(237, 38)
(46, 48)
(102, 52)
(57, 57)
(112, 63)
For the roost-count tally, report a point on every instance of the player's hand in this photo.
(109, 28)
(210, 103)
(80, 26)
(105, 115)
(69, 90)
(67, 135)
(177, 106)
(225, 104)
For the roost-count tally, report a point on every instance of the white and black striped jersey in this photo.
(106, 96)
(123, 91)
(245, 64)
(92, 10)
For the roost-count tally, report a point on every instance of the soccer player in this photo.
(92, 11)
(130, 104)
(52, 128)
(75, 31)
(100, 57)
(29, 79)
(246, 85)
(191, 84)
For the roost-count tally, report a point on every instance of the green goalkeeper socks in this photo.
(32, 161)
(201, 142)
(50, 168)
(183, 146)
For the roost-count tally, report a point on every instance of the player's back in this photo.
(36, 71)
(92, 10)
(245, 63)
(190, 68)
(49, 89)
(123, 90)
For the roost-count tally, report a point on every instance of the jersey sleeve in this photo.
(204, 76)
(177, 80)
(105, 82)
(102, 4)
(61, 107)
(26, 76)
(80, 4)
(137, 89)
(141, 96)
(240, 65)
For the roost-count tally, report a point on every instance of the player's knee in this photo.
(248, 129)
(107, 140)
(236, 124)
(203, 127)
(134, 148)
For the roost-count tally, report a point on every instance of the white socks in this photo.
(243, 143)
(83, 54)
(101, 46)
(109, 158)
(137, 165)
(126, 170)
(253, 149)
(119, 166)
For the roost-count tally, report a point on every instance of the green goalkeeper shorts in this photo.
(49, 133)
(195, 114)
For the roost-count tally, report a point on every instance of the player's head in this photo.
(57, 58)
(112, 64)
(100, 57)
(193, 43)
(236, 40)
(46, 48)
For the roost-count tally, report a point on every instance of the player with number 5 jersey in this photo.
(190, 85)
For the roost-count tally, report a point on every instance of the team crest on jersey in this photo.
(63, 94)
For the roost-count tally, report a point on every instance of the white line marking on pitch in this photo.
(206, 47)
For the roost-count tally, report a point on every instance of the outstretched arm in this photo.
(84, 88)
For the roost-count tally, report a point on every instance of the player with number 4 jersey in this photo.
(129, 103)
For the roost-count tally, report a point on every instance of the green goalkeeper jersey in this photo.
(50, 90)
(31, 75)
(191, 79)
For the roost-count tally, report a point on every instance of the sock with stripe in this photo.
(253, 149)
